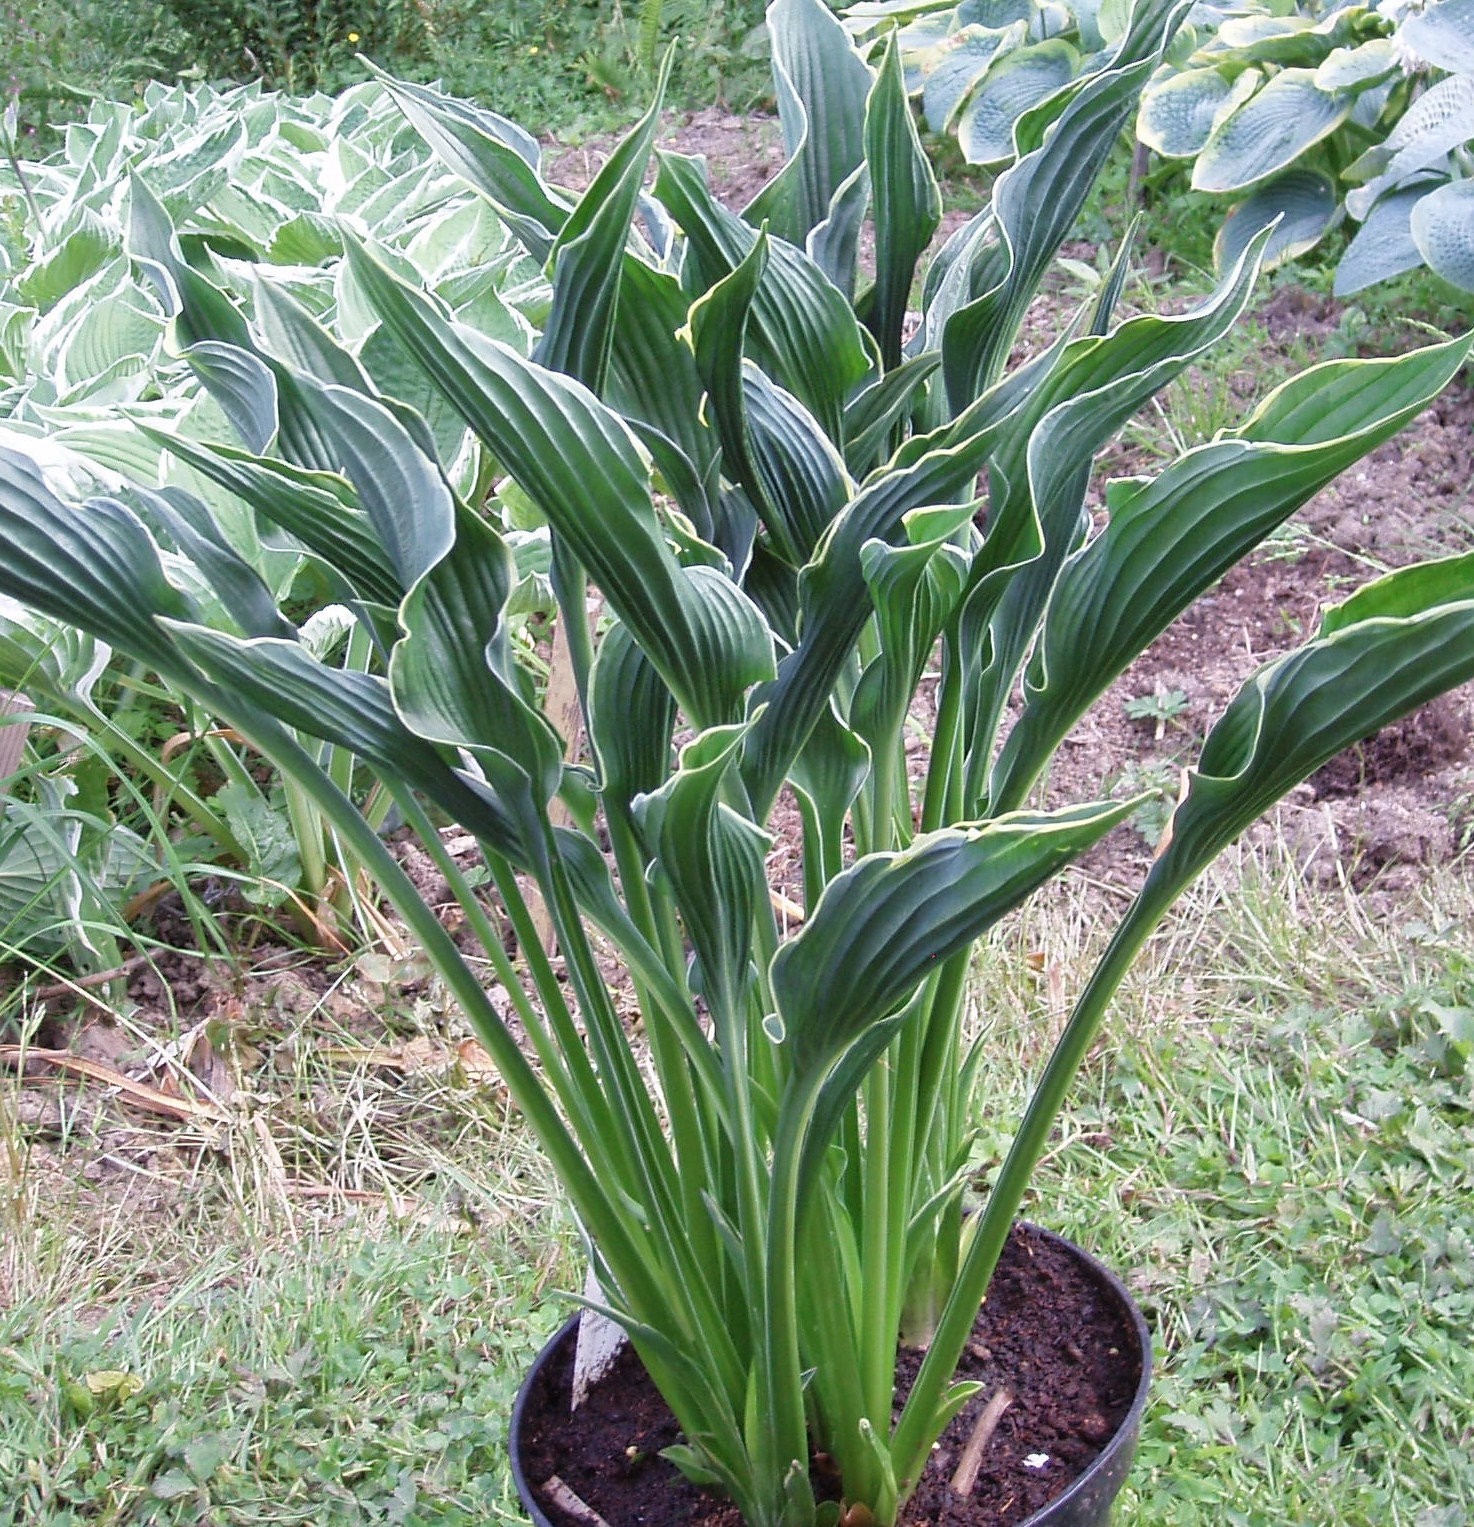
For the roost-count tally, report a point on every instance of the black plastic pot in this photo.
(1086, 1503)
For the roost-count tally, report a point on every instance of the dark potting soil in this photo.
(1048, 1333)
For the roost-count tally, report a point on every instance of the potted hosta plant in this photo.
(792, 502)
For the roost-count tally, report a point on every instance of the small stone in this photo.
(1036, 1460)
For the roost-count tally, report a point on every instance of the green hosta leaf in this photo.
(803, 331)
(1173, 537)
(1303, 205)
(1384, 245)
(632, 715)
(587, 257)
(1404, 593)
(79, 255)
(351, 709)
(318, 509)
(891, 919)
(958, 63)
(1179, 112)
(1269, 132)
(822, 85)
(914, 589)
(1443, 34)
(1018, 81)
(1442, 226)
(908, 204)
(1299, 712)
(577, 461)
(93, 567)
(453, 676)
(873, 414)
(188, 523)
(714, 859)
(1000, 264)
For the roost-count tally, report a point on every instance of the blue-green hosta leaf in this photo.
(872, 415)
(908, 204)
(1302, 204)
(822, 83)
(1384, 245)
(1178, 112)
(1443, 228)
(586, 260)
(1016, 82)
(578, 462)
(714, 859)
(1283, 42)
(887, 922)
(1434, 125)
(1299, 712)
(1443, 34)
(803, 331)
(1269, 132)
(1173, 537)
(958, 63)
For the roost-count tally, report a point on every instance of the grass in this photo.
(319, 1312)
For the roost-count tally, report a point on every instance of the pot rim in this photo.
(1122, 1439)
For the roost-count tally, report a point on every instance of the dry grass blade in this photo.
(139, 1093)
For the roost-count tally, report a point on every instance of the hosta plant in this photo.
(1322, 113)
(794, 496)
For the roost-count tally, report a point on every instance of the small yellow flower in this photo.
(353, 37)
(533, 48)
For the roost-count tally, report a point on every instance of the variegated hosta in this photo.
(1330, 112)
(776, 493)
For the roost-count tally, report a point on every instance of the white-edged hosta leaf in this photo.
(493, 155)
(1302, 204)
(1277, 124)
(1016, 82)
(957, 64)
(1384, 245)
(1443, 228)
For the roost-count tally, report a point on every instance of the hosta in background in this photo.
(263, 190)
(1326, 113)
(1307, 114)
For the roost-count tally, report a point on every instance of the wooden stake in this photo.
(968, 1465)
